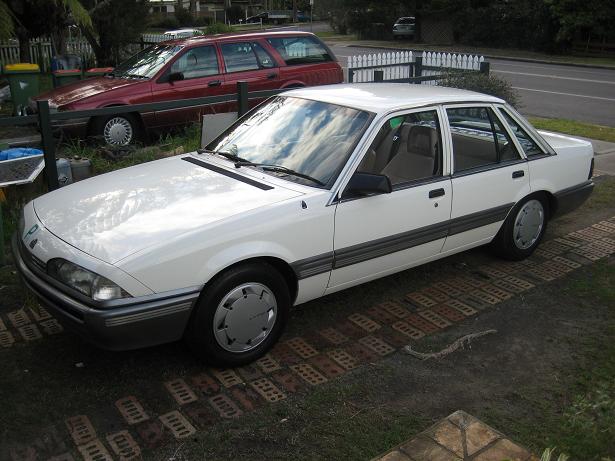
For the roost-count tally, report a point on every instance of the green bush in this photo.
(218, 28)
(169, 22)
(482, 83)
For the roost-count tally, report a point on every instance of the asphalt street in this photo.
(546, 90)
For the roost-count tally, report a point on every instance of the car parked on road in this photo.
(404, 27)
(192, 68)
(182, 33)
(315, 191)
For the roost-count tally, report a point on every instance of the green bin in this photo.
(23, 80)
(65, 76)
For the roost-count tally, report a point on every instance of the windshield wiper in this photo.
(279, 169)
(234, 157)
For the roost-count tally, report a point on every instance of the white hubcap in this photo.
(118, 131)
(528, 224)
(245, 317)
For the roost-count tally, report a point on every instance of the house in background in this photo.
(213, 9)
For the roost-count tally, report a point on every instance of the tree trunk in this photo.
(24, 44)
(104, 56)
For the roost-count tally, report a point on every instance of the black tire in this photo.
(99, 124)
(199, 335)
(504, 242)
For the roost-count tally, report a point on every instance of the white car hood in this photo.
(114, 215)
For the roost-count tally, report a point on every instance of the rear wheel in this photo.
(523, 229)
(240, 315)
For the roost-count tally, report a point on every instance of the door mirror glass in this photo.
(176, 76)
(362, 184)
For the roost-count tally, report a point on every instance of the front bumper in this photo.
(131, 324)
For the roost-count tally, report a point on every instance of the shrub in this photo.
(218, 28)
(169, 22)
(482, 83)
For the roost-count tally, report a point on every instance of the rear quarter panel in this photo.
(569, 167)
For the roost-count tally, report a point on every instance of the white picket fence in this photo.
(41, 51)
(154, 38)
(396, 65)
(449, 61)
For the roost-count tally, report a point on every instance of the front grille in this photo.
(32, 261)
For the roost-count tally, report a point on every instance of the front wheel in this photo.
(523, 229)
(240, 315)
(117, 130)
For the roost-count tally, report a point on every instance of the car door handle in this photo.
(272, 75)
(214, 83)
(518, 174)
(436, 193)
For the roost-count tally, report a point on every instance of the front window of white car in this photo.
(310, 141)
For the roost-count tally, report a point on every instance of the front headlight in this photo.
(90, 284)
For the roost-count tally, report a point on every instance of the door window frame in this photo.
(491, 166)
(363, 146)
(166, 71)
(258, 60)
(547, 151)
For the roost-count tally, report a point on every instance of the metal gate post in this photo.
(49, 147)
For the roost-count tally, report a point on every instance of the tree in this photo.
(116, 23)
(588, 18)
(27, 19)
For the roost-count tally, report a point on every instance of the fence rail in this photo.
(44, 118)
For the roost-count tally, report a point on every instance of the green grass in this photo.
(587, 130)
(577, 414)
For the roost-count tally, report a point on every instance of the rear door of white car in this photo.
(380, 234)
(489, 174)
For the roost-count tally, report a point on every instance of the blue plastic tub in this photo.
(19, 152)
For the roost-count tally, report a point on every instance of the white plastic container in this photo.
(65, 174)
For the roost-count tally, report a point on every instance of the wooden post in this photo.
(378, 76)
(242, 98)
(484, 68)
(49, 148)
(2, 255)
(418, 67)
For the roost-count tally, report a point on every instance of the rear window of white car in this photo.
(300, 50)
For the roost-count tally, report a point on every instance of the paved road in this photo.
(577, 93)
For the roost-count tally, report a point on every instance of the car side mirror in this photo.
(175, 77)
(367, 184)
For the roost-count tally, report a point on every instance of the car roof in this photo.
(387, 97)
(201, 39)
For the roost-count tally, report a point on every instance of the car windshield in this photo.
(311, 138)
(146, 63)
(405, 21)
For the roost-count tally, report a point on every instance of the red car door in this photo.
(195, 73)
(250, 62)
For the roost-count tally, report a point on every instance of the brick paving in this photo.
(459, 437)
(297, 364)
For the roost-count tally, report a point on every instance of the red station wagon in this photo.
(192, 68)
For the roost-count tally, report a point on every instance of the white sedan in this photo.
(315, 191)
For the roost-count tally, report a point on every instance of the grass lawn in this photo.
(587, 130)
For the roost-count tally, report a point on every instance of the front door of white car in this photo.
(380, 234)
(489, 175)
